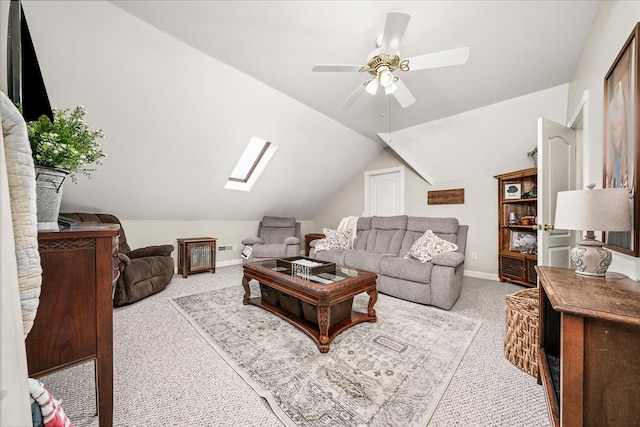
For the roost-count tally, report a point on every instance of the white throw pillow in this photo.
(428, 245)
(337, 240)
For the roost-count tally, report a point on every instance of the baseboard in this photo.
(481, 275)
(228, 263)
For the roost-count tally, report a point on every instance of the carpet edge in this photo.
(238, 370)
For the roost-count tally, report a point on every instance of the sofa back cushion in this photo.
(362, 233)
(446, 228)
(386, 234)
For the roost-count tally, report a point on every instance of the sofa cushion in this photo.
(336, 239)
(274, 250)
(387, 233)
(363, 230)
(336, 256)
(446, 228)
(406, 269)
(365, 260)
(428, 245)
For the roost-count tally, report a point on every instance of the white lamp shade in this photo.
(372, 86)
(606, 209)
(386, 77)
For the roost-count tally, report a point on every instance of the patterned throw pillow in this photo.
(338, 240)
(428, 245)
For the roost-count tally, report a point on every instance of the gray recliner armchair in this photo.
(277, 237)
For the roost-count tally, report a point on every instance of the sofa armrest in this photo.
(158, 250)
(292, 241)
(448, 259)
(252, 241)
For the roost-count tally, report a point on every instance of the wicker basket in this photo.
(521, 337)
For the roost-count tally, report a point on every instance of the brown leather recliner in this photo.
(143, 271)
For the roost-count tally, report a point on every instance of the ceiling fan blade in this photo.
(352, 98)
(336, 67)
(394, 30)
(403, 95)
(439, 59)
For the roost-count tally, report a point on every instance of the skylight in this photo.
(250, 165)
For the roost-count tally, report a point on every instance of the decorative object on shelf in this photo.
(525, 242)
(604, 209)
(513, 218)
(533, 155)
(621, 137)
(60, 148)
(528, 220)
(512, 191)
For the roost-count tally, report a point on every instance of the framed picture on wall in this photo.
(621, 137)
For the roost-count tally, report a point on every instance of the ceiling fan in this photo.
(384, 60)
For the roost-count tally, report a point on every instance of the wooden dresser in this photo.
(74, 322)
(589, 358)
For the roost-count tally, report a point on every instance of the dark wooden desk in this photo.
(74, 321)
(589, 333)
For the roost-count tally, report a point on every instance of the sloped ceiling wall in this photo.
(176, 121)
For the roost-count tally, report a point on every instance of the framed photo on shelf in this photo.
(622, 139)
(512, 191)
(525, 242)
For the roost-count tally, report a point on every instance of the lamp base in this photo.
(591, 257)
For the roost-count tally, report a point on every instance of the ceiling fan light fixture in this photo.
(386, 77)
(389, 89)
(372, 86)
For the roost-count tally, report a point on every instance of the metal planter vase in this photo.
(49, 184)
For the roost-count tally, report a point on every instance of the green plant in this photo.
(532, 154)
(66, 143)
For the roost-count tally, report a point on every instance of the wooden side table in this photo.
(307, 240)
(196, 254)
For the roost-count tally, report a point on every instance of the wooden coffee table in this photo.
(330, 288)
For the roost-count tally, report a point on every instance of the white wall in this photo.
(142, 233)
(464, 151)
(611, 28)
(176, 121)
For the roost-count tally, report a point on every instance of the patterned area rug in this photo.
(392, 372)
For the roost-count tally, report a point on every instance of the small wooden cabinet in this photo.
(196, 254)
(517, 229)
(74, 321)
(588, 359)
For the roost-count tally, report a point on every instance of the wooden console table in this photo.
(589, 358)
(74, 321)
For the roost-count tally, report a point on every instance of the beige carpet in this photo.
(392, 372)
(165, 374)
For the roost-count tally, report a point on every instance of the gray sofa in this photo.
(381, 244)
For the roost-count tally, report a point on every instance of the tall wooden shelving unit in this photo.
(517, 263)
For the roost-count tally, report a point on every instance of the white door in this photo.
(384, 192)
(556, 172)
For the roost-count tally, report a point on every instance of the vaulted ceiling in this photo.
(516, 47)
(179, 87)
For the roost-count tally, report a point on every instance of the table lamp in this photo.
(605, 209)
